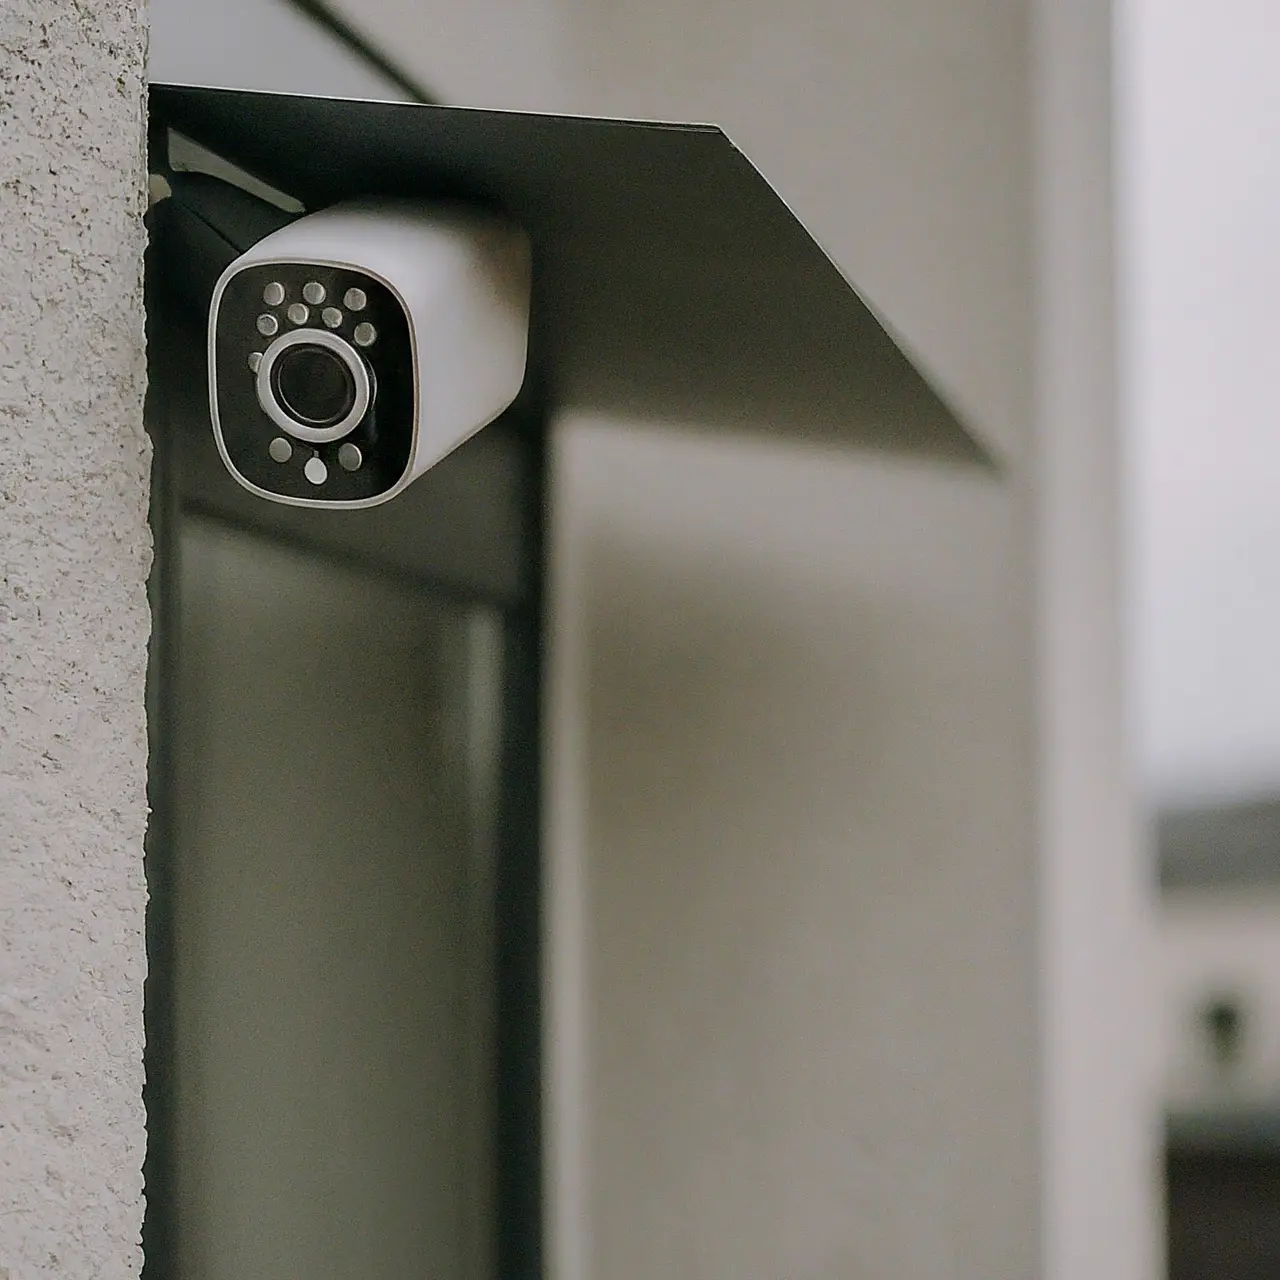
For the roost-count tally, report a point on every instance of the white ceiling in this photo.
(255, 44)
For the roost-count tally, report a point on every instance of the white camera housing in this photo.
(355, 348)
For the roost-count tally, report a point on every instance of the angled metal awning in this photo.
(671, 280)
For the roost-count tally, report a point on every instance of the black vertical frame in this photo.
(518, 1136)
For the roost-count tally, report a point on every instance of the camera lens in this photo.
(314, 385)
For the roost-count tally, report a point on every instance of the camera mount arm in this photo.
(199, 226)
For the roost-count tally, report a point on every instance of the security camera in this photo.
(354, 348)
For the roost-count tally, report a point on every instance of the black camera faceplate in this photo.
(250, 318)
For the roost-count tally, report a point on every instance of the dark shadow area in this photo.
(1224, 1213)
(670, 279)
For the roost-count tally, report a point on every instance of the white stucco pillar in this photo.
(74, 556)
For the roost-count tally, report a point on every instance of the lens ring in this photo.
(278, 414)
(314, 385)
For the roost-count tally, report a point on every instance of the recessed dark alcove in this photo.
(345, 935)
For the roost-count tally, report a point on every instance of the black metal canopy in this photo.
(670, 279)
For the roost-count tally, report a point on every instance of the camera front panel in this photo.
(314, 382)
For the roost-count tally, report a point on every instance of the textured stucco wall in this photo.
(74, 555)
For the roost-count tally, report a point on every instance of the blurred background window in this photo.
(1202, 170)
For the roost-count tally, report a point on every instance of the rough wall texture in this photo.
(74, 555)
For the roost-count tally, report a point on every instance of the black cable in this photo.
(323, 15)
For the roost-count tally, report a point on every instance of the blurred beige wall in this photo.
(848, 921)
(808, 907)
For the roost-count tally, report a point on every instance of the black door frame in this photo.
(495, 559)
